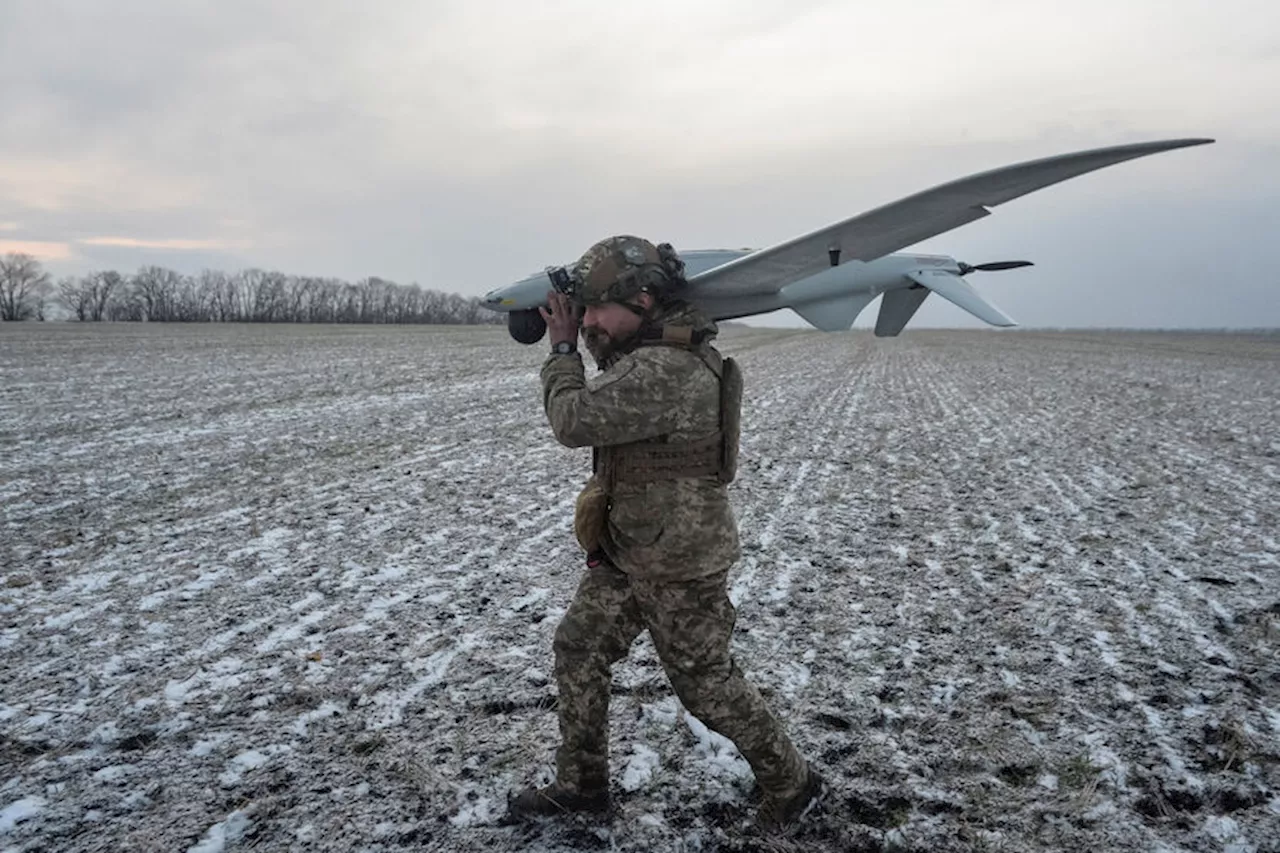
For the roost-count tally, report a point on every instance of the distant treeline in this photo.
(162, 295)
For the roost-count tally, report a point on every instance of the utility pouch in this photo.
(590, 515)
(730, 418)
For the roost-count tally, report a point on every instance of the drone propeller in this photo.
(965, 269)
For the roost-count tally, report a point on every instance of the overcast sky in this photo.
(462, 145)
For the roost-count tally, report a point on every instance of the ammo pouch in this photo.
(730, 418)
(590, 515)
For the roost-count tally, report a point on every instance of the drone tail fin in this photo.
(836, 314)
(960, 293)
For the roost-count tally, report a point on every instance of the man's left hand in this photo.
(562, 320)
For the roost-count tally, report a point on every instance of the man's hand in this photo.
(562, 320)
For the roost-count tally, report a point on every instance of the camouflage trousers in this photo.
(691, 623)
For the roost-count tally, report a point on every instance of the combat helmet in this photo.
(617, 269)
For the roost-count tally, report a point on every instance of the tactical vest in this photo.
(717, 454)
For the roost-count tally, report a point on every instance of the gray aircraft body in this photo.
(830, 275)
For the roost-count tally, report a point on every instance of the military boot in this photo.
(554, 800)
(776, 814)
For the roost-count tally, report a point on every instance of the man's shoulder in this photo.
(670, 356)
(647, 366)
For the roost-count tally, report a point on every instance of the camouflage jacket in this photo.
(666, 529)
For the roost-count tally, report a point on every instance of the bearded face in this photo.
(607, 329)
(604, 347)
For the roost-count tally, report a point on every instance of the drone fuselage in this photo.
(853, 280)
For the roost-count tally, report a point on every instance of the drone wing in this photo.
(903, 223)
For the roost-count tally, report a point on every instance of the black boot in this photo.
(552, 801)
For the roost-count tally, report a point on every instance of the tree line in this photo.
(157, 294)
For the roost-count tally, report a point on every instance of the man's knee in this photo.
(570, 639)
(578, 639)
(709, 692)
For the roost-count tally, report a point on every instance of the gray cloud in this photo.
(461, 145)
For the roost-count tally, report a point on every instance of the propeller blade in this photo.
(1001, 265)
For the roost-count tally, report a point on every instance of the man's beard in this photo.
(602, 346)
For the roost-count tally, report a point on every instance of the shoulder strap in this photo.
(686, 338)
(672, 336)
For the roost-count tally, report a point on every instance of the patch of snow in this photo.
(391, 703)
(517, 605)
(326, 710)
(640, 767)
(717, 750)
(481, 811)
(224, 832)
(1104, 809)
(1102, 639)
(114, 773)
(795, 677)
(1226, 831)
(207, 745)
(108, 732)
(250, 759)
(20, 810)
(1104, 758)
(75, 614)
(176, 692)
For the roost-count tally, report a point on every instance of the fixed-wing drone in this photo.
(830, 275)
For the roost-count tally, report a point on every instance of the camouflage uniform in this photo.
(670, 544)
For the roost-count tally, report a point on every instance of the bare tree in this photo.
(44, 294)
(269, 297)
(188, 304)
(105, 284)
(215, 295)
(432, 306)
(87, 298)
(75, 296)
(125, 304)
(24, 286)
(158, 290)
(255, 296)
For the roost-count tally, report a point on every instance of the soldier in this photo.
(654, 520)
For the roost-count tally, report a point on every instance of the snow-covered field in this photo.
(293, 588)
